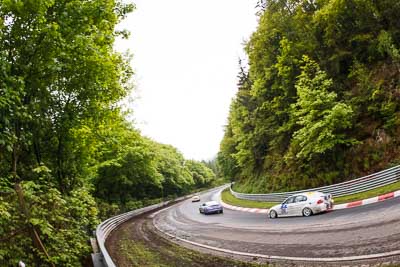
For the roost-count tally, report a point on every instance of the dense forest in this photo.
(68, 156)
(319, 101)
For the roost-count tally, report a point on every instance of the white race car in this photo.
(304, 204)
(195, 198)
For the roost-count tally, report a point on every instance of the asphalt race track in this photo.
(365, 230)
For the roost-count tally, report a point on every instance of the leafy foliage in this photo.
(320, 118)
(320, 100)
(58, 71)
(202, 175)
(63, 138)
(62, 221)
(141, 172)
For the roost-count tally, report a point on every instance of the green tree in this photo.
(170, 164)
(321, 118)
(313, 118)
(58, 71)
(126, 167)
(202, 175)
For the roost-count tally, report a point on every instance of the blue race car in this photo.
(211, 207)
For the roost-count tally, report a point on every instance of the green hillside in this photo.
(69, 157)
(319, 101)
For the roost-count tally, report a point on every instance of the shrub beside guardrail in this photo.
(350, 187)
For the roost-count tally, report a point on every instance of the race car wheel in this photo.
(273, 214)
(307, 212)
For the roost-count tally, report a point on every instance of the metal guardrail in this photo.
(104, 229)
(350, 187)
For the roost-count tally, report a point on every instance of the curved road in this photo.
(364, 230)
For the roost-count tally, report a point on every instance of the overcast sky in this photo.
(185, 57)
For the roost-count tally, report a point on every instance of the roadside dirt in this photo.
(135, 243)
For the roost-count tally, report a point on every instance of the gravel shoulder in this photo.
(136, 243)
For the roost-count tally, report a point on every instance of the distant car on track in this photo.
(211, 207)
(195, 198)
(305, 204)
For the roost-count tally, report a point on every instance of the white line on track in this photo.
(272, 257)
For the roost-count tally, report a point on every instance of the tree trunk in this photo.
(34, 234)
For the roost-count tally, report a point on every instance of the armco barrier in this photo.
(103, 259)
(358, 185)
(105, 228)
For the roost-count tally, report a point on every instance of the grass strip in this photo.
(368, 194)
(228, 198)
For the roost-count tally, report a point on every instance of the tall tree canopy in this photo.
(320, 101)
(67, 150)
(58, 72)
